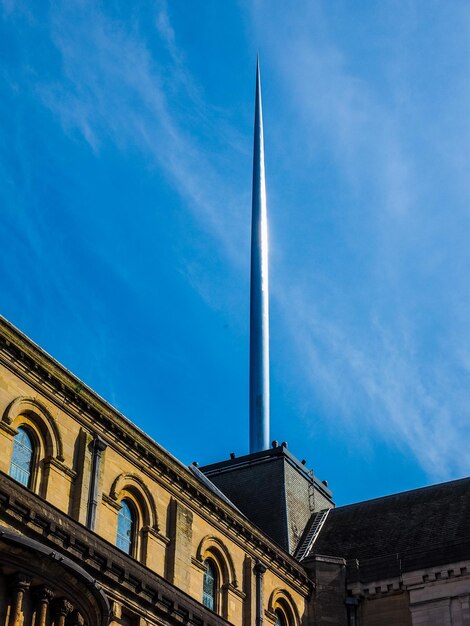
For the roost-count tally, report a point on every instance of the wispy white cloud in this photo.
(375, 383)
(363, 353)
(374, 364)
(115, 90)
(373, 369)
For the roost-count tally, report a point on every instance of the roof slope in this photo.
(413, 520)
(210, 485)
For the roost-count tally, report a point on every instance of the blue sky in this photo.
(125, 172)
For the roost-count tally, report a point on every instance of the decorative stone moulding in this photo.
(43, 420)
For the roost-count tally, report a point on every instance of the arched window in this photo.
(210, 585)
(22, 458)
(280, 618)
(284, 608)
(126, 527)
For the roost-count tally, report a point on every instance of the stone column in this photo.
(19, 584)
(62, 608)
(42, 596)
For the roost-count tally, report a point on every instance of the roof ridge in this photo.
(402, 493)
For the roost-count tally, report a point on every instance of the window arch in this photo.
(29, 415)
(213, 548)
(126, 527)
(281, 619)
(31, 411)
(283, 608)
(131, 490)
(21, 466)
(131, 487)
(210, 587)
(213, 552)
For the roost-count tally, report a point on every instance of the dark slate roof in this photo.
(257, 489)
(271, 487)
(409, 521)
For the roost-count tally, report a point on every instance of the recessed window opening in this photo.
(22, 458)
(210, 584)
(126, 527)
(280, 618)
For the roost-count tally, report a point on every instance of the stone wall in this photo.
(180, 522)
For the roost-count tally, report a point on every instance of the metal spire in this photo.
(259, 293)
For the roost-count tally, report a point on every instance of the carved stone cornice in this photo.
(61, 607)
(43, 593)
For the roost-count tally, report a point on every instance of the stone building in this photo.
(100, 526)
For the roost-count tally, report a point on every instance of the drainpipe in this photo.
(98, 447)
(259, 570)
